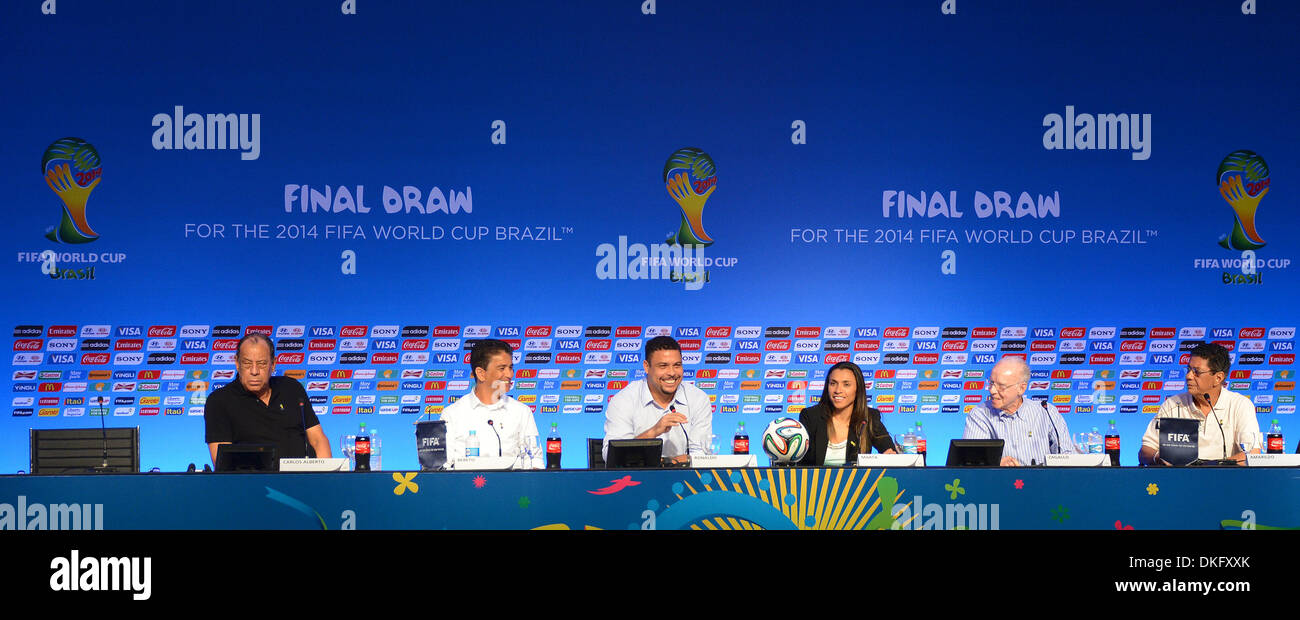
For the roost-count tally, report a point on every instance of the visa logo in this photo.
(507, 331)
(866, 332)
(129, 331)
(447, 358)
(984, 358)
(1162, 358)
(383, 345)
(753, 345)
(1044, 332)
(1101, 345)
(568, 345)
(806, 358)
(629, 358)
(322, 332)
(688, 332)
(925, 345)
(194, 345)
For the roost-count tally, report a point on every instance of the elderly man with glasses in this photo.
(261, 408)
(1030, 430)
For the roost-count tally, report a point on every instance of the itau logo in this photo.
(1243, 182)
(72, 170)
(690, 178)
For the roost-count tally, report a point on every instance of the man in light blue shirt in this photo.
(661, 406)
(1030, 430)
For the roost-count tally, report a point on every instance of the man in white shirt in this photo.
(503, 425)
(661, 406)
(1225, 417)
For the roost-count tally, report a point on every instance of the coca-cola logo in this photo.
(537, 331)
(1133, 345)
(415, 344)
(225, 345)
(289, 358)
(162, 331)
(954, 345)
(835, 358)
(1073, 332)
(605, 345)
(717, 332)
(897, 332)
(28, 345)
(353, 331)
(1251, 332)
(94, 358)
(777, 345)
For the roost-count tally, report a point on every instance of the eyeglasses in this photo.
(997, 387)
(260, 364)
(1195, 372)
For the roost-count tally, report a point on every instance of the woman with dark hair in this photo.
(841, 424)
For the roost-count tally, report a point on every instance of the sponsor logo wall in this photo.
(391, 203)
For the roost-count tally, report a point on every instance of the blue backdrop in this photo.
(503, 149)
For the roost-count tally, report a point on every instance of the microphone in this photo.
(1220, 423)
(673, 409)
(1059, 446)
(302, 413)
(103, 431)
(494, 430)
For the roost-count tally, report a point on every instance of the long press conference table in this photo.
(762, 498)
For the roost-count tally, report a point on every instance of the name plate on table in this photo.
(484, 463)
(891, 460)
(725, 461)
(1273, 460)
(1078, 460)
(334, 464)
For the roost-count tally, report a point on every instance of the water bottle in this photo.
(471, 445)
(362, 450)
(920, 442)
(376, 451)
(1112, 444)
(553, 448)
(740, 445)
(1275, 443)
(909, 442)
(1095, 444)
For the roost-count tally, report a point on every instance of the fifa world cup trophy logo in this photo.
(72, 170)
(1243, 182)
(690, 178)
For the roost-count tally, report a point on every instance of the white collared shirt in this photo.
(511, 419)
(633, 411)
(1235, 411)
